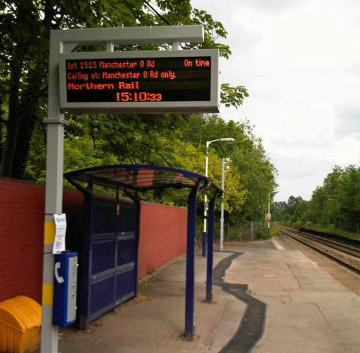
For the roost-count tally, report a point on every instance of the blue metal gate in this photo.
(109, 258)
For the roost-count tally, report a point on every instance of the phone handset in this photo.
(59, 279)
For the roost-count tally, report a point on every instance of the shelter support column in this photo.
(137, 237)
(190, 263)
(84, 323)
(210, 249)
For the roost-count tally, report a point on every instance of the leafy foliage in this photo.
(335, 204)
(25, 26)
(233, 96)
(173, 140)
(176, 141)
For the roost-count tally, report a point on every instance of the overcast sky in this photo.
(300, 61)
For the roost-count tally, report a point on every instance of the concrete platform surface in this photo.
(266, 299)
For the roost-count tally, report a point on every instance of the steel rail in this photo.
(349, 249)
(347, 255)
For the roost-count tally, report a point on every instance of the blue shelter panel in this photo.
(125, 285)
(105, 220)
(126, 251)
(103, 255)
(127, 221)
(101, 295)
(110, 269)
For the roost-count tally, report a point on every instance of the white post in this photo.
(110, 46)
(226, 140)
(268, 222)
(176, 45)
(222, 205)
(205, 201)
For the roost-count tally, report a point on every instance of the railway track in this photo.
(346, 253)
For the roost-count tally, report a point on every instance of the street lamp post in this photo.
(224, 162)
(259, 225)
(226, 140)
(268, 216)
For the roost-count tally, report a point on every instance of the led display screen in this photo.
(182, 80)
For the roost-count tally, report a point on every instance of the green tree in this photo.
(256, 173)
(173, 140)
(333, 205)
(24, 41)
(349, 199)
(24, 29)
(278, 211)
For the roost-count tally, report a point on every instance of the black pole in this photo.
(210, 242)
(190, 263)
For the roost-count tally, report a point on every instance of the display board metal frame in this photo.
(210, 105)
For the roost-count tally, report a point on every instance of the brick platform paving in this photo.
(266, 300)
(154, 322)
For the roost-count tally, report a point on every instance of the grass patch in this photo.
(264, 231)
(333, 230)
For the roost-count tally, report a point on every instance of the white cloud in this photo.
(356, 69)
(300, 62)
(272, 6)
(302, 143)
(348, 120)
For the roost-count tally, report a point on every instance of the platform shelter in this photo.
(107, 284)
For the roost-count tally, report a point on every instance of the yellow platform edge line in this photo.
(49, 233)
(47, 294)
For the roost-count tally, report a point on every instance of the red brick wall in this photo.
(21, 238)
(162, 236)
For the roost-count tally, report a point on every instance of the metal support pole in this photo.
(227, 140)
(137, 235)
(222, 206)
(110, 46)
(84, 308)
(190, 264)
(205, 202)
(259, 225)
(53, 197)
(209, 268)
(268, 222)
(53, 205)
(176, 45)
(204, 238)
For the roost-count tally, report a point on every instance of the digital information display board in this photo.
(140, 82)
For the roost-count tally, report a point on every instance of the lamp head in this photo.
(227, 139)
(224, 139)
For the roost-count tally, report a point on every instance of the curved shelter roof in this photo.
(140, 177)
